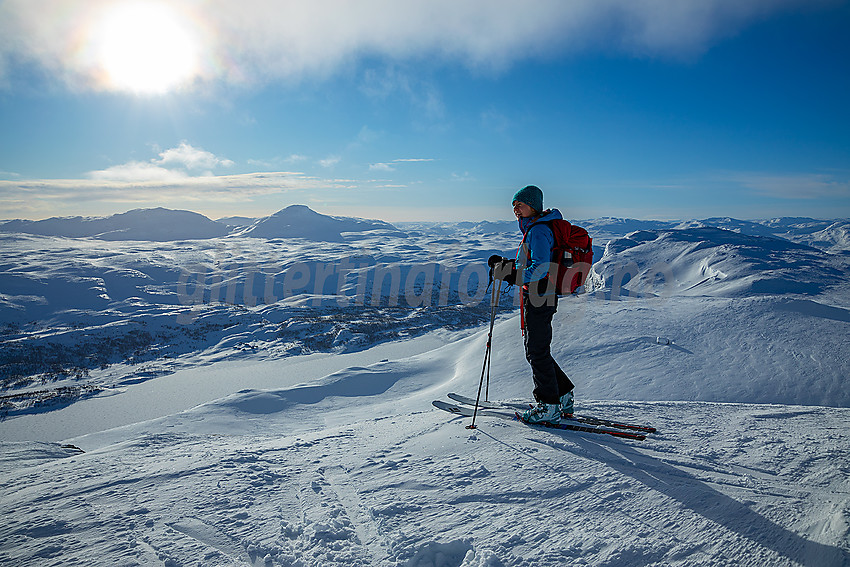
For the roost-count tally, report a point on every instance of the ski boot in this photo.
(567, 405)
(549, 413)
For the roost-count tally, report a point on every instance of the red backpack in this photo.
(572, 255)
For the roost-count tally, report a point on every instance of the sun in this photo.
(145, 48)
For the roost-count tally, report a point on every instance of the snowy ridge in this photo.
(717, 262)
(835, 238)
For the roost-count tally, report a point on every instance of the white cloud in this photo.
(9, 174)
(391, 80)
(465, 176)
(329, 161)
(173, 164)
(389, 167)
(260, 40)
(190, 158)
(136, 171)
(276, 161)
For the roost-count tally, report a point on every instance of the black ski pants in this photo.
(550, 382)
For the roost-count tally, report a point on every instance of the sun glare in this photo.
(146, 48)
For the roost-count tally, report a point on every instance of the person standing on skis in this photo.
(553, 390)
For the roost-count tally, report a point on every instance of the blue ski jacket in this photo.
(535, 254)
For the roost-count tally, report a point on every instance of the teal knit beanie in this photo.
(531, 196)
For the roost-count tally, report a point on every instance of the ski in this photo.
(488, 404)
(583, 419)
(587, 428)
(466, 411)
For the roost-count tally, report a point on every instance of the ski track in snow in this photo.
(749, 466)
(407, 489)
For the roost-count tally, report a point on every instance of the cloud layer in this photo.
(795, 186)
(174, 164)
(48, 197)
(264, 40)
(178, 175)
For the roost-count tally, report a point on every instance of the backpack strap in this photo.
(525, 285)
(527, 230)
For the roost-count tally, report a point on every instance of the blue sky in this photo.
(430, 110)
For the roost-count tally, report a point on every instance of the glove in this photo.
(502, 269)
(496, 259)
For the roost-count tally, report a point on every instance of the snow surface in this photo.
(240, 400)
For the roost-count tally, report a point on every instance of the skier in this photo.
(553, 390)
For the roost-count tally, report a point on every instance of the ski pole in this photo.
(489, 338)
(494, 302)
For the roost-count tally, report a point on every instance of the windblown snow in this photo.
(257, 392)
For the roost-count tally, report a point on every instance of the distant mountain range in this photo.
(299, 221)
(158, 225)
(161, 225)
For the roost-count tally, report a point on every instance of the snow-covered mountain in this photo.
(300, 221)
(796, 225)
(163, 225)
(750, 228)
(237, 221)
(265, 400)
(717, 262)
(160, 225)
(835, 238)
(622, 226)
